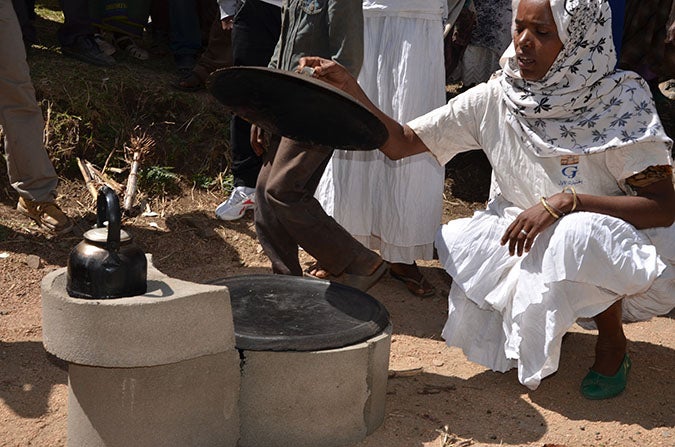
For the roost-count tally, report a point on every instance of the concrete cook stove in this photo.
(250, 361)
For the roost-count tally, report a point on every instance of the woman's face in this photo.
(535, 38)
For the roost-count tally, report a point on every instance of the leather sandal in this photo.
(127, 44)
(316, 271)
(419, 287)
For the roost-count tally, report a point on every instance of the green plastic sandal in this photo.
(596, 386)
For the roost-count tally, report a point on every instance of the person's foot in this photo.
(127, 44)
(104, 45)
(188, 83)
(241, 199)
(597, 386)
(47, 215)
(317, 271)
(84, 48)
(413, 279)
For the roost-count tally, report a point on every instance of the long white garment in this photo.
(394, 206)
(507, 311)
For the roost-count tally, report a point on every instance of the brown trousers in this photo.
(30, 171)
(287, 215)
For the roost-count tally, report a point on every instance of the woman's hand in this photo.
(329, 71)
(524, 229)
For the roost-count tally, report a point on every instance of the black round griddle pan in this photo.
(297, 106)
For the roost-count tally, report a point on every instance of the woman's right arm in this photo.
(402, 142)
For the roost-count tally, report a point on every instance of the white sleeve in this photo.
(454, 127)
(626, 161)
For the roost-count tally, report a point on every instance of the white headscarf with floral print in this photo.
(582, 105)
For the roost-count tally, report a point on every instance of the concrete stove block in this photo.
(157, 328)
(160, 369)
(190, 403)
(323, 398)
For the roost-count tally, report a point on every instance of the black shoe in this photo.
(85, 49)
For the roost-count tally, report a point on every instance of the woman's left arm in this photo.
(653, 206)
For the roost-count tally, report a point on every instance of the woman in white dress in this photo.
(403, 73)
(557, 118)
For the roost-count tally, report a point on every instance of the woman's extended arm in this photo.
(402, 141)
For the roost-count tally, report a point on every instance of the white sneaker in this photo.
(241, 199)
(104, 45)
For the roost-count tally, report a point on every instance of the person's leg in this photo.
(218, 53)
(609, 374)
(76, 21)
(610, 347)
(24, 12)
(30, 171)
(412, 277)
(287, 193)
(256, 31)
(185, 38)
(207, 12)
(159, 16)
(277, 243)
(76, 35)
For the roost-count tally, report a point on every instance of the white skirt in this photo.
(393, 206)
(509, 311)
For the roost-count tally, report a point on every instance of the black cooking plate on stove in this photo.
(297, 106)
(291, 313)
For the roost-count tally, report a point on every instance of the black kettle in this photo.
(106, 264)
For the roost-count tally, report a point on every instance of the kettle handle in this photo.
(108, 208)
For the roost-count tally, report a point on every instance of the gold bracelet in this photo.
(549, 208)
(561, 213)
(574, 196)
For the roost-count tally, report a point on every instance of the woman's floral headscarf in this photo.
(582, 105)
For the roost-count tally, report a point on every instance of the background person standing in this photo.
(30, 171)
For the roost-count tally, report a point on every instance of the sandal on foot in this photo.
(362, 282)
(316, 271)
(418, 287)
(127, 44)
(596, 386)
(188, 83)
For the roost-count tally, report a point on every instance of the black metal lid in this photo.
(298, 107)
(291, 313)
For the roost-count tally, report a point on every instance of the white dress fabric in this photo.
(394, 206)
(582, 125)
(509, 311)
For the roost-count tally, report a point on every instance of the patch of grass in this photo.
(93, 112)
(159, 180)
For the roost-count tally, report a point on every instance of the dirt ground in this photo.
(435, 396)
